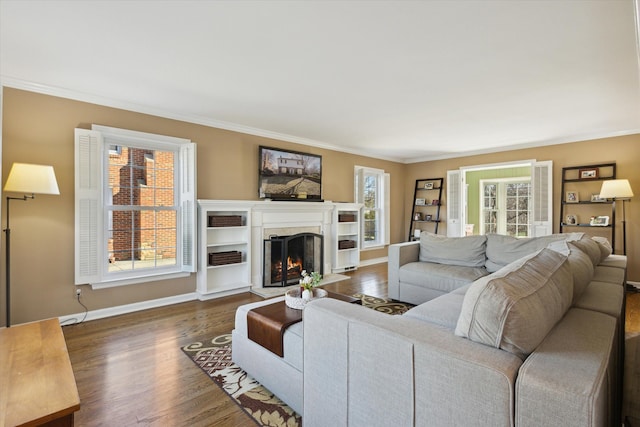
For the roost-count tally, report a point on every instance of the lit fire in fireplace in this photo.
(294, 269)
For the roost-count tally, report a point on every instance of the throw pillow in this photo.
(468, 251)
(503, 250)
(515, 308)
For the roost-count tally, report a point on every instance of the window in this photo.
(135, 207)
(372, 190)
(506, 206)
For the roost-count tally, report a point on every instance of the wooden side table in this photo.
(37, 385)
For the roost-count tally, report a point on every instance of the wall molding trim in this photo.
(102, 313)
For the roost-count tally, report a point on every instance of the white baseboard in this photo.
(161, 302)
(127, 308)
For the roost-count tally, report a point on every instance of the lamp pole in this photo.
(7, 252)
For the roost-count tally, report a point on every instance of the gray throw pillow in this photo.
(515, 308)
(468, 251)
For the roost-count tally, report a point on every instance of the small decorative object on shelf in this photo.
(428, 185)
(225, 258)
(417, 216)
(428, 217)
(420, 202)
(589, 173)
(435, 202)
(225, 220)
(571, 220)
(599, 221)
(572, 197)
(344, 217)
(595, 198)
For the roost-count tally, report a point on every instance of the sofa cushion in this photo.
(443, 311)
(502, 250)
(590, 247)
(468, 251)
(440, 277)
(580, 264)
(514, 308)
(604, 245)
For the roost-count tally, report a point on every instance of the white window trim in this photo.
(90, 215)
(384, 179)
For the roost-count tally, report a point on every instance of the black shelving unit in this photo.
(585, 182)
(427, 201)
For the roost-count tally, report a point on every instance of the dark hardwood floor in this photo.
(130, 370)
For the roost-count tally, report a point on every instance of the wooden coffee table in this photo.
(266, 324)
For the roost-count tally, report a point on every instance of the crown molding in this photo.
(16, 83)
(6, 81)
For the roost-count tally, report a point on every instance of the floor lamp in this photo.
(25, 178)
(618, 189)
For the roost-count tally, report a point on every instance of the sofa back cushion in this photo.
(604, 245)
(514, 308)
(589, 247)
(468, 251)
(579, 263)
(503, 250)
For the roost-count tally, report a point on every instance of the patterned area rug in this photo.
(213, 356)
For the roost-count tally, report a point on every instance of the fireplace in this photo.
(285, 257)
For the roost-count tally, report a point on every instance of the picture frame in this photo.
(417, 216)
(595, 198)
(599, 221)
(572, 197)
(571, 220)
(421, 202)
(428, 185)
(435, 202)
(588, 173)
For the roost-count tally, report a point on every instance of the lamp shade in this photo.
(34, 179)
(616, 189)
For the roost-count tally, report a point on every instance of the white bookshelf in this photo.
(346, 236)
(224, 258)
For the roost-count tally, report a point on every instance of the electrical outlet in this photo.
(78, 292)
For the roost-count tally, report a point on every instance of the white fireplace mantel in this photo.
(263, 219)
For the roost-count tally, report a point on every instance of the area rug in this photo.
(213, 356)
(278, 291)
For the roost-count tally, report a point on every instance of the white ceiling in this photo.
(401, 80)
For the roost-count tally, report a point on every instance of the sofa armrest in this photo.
(399, 255)
(362, 367)
(570, 379)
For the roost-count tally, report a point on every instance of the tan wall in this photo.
(40, 129)
(624, 150)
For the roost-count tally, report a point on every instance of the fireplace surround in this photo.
(286, 257)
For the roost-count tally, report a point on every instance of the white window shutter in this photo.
(189, 212)
(542, 191)
(88, 206)
(454, 203)
(359, 197)
(387, 208)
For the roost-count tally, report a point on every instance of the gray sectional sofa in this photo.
(507, 332)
